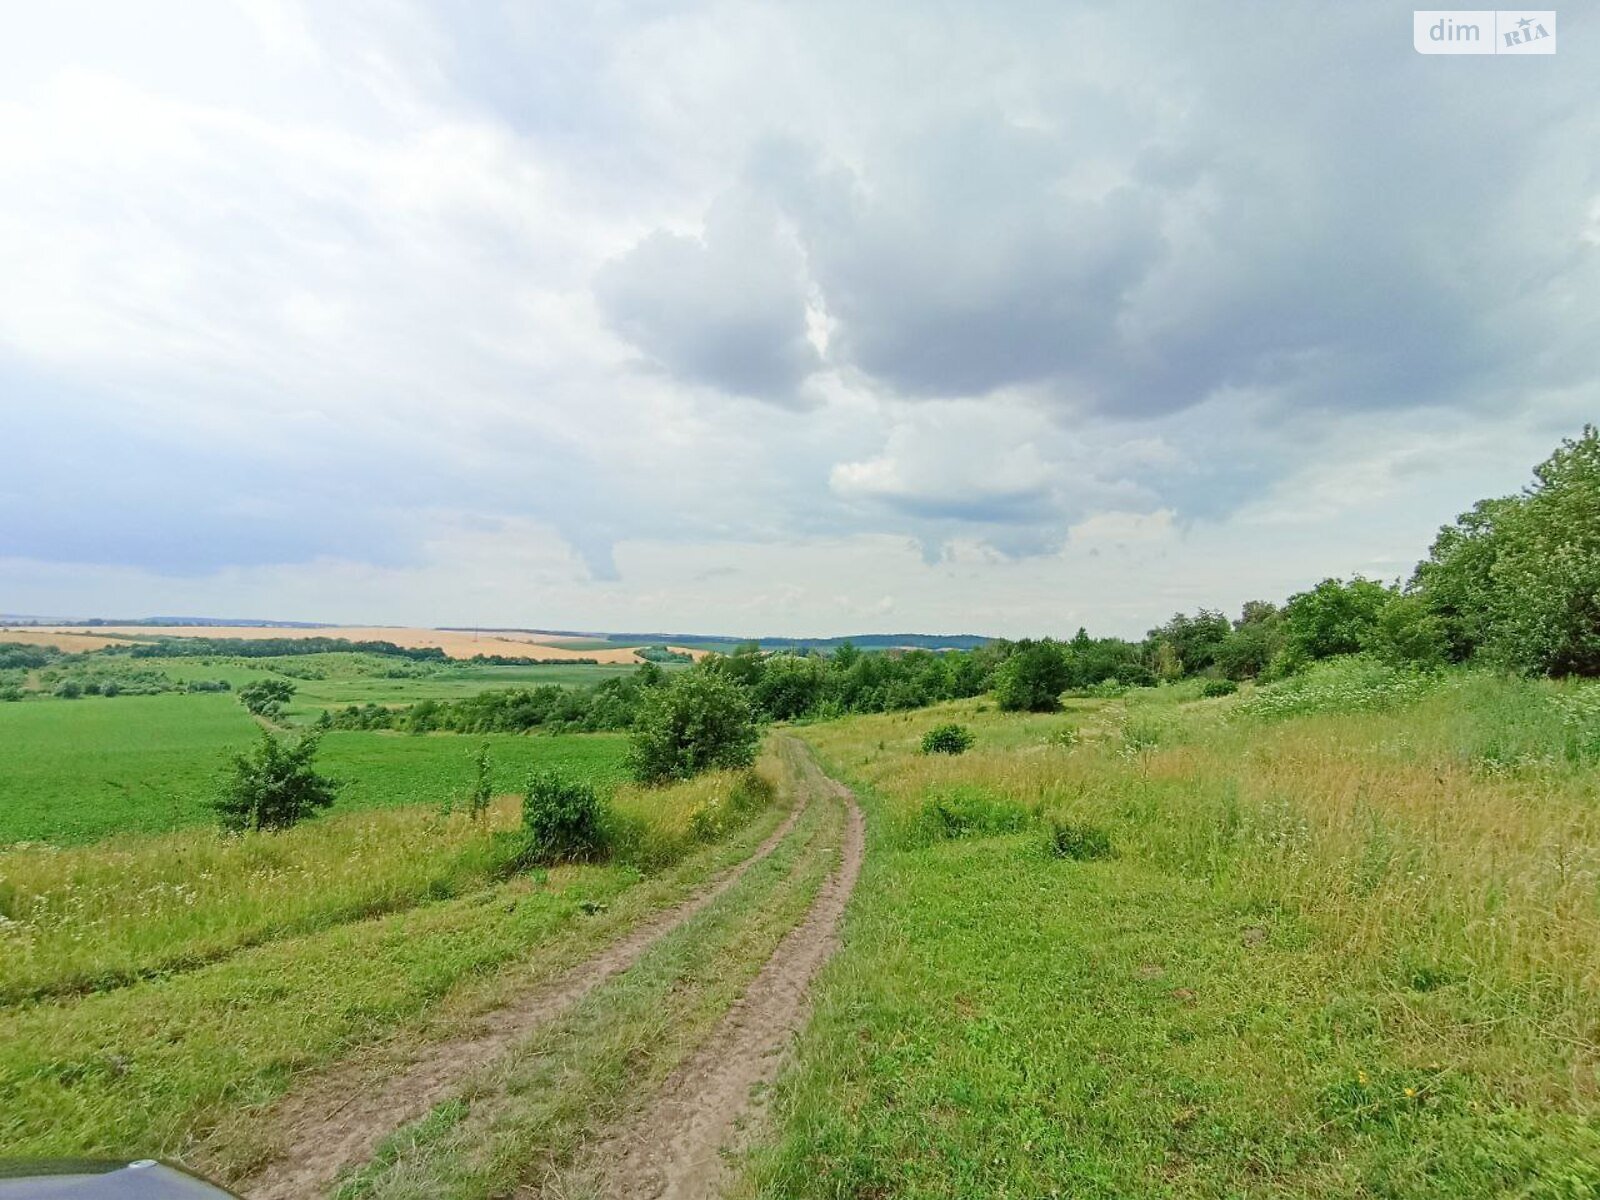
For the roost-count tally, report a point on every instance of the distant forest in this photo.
(1513, 584)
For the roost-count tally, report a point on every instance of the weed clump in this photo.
(563, 820)
(965, 812)
(1216, 688)
(1077, 840)
(726, 809)
(1067, 737)
(948, 739)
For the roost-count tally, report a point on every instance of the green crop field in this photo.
(73, 771)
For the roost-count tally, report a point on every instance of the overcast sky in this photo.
(772, 318)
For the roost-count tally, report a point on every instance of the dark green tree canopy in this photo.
(1518, 579)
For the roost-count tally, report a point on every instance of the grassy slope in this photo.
(74, 771)
(146, 1068)
(1334, 955)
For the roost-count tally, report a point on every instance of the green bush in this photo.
(1213, 688)
(563, 820)
(69, 689)
(1076, 840)
(274, 786)
(1410, 634)
(701, 721)
(948, 739)
(1033, 678)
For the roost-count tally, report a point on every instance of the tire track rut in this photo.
(675, 1149)
(342, 1118)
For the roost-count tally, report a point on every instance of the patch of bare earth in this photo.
(677, 1147)
(338, 1120)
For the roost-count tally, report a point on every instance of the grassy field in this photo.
(324, 681)
(1335, 937)
(75, 771)
(152, 990)
(1276, 946)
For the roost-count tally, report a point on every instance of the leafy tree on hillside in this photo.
(1457, 580)
(1410, 634)
(1519, 578)
(1033, 678)
(789, 686)
(1256, 639)
(1334, 617)
(701, 721)
(1195, 640)
(274, 786)
(744, 665)
(1545, 607)
(266, 697)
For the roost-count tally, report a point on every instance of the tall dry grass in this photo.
(1443, 850)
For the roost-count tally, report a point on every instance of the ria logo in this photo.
(1528, 31)
(1483, 31)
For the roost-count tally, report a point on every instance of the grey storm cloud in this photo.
(1130, 247)
(727, 308)
(528, 292)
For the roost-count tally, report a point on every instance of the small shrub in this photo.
(1078, 841)
(563, 820)
(69, 689)
(1214, 688)
(482, 791)
(948, 739)
(274, 786)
